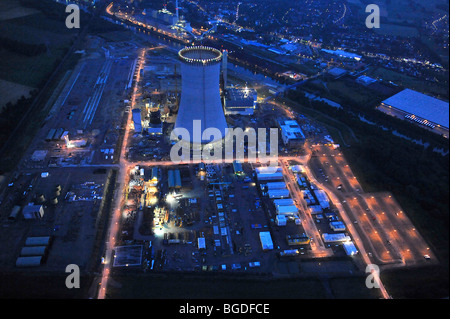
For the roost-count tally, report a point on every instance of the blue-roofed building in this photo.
(419, 108)
(291, 133)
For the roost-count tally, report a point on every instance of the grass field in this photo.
(410, 82)
(10, 9)
(205, 286)
(30, 285)
(11, 92)
(35, 28)
(397, 30)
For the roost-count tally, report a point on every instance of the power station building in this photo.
(200, 101)
(240, 101)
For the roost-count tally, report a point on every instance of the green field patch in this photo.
(397, 30)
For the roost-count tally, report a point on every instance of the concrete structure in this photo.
(224, 68)
(200, 95)
(240, 101)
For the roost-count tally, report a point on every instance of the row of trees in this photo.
(28, 49)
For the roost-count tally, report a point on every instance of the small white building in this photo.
(266, 240)
(290, 210)
(280, 220)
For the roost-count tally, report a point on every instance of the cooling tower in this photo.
(200, 92)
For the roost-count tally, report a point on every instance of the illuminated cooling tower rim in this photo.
(200, 55)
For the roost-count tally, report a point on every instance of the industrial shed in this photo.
(350, 248)
(33, 251)
(269, 176)
(38, 241)
(423, 106)
(278, 193)
(287, 210)
(274, 185)
(33, 261)
(283, 202)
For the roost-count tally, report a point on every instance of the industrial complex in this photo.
(99, 187)
(420, 109)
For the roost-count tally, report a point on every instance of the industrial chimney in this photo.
(200, 92)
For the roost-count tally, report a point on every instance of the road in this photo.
(122, 179)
